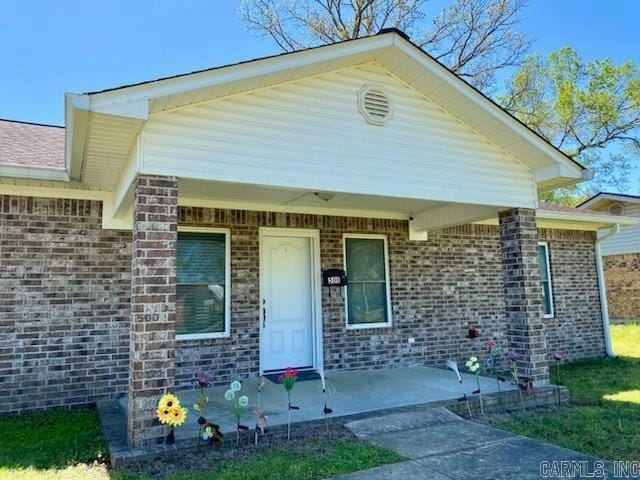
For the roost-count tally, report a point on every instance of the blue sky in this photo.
(48, 48)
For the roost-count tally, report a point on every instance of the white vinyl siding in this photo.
(309, 134)
(202, 284)
(628, 240)
(368, 299)
(545, 279)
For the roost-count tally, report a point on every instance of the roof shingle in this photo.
(554, 207)
(31, 144)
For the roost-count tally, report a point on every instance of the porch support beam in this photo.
(523, 297)
(447, 216)
(153, 304)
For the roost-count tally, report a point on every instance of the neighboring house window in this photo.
(545, 276)
(366, 264)
(202, 290)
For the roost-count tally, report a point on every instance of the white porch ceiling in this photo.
(256, 197)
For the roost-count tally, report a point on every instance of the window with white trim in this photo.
(202, 284)
(367, 293)
(545, 278)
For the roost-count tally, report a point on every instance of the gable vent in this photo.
(374, 104)
(616, 209)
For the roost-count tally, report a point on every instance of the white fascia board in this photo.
(34, 173)
(76, 132)
(586, 218)
(485, 104)
(242, 71)
(549, 172)
(450, 216)
(572, 221)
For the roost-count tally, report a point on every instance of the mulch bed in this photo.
(201, 458)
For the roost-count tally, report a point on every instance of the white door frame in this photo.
(316, 287)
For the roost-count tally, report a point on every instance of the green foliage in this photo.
(626, 339)
(68, 445)
(59, 444)
(343, 457)
(604, 416)
(57, 438)
(588, 109)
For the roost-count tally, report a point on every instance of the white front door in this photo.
(287, 315)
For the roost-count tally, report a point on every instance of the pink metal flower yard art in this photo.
(288, 380)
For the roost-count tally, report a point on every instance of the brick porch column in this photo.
(153, 304)
(523, 294)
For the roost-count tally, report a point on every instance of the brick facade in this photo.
(521, 271)
(64, 304)
(153, 304)
(439, 289)
(622, 276)
(576, 329)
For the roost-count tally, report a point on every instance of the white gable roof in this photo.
(105, 124)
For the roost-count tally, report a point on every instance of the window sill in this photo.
(365, 326)
(202, 336)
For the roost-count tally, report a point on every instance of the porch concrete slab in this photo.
(398, 471)
(348, 393)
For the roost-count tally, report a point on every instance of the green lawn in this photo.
(311, 462)
(58, 444)
(604, 416)
(68, 445)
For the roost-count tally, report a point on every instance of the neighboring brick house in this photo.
(192, 222)
(621, 255)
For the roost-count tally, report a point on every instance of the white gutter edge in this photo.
(34, 172)
(604, 305)
(586, 217)
(76, 109)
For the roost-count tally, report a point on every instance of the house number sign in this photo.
(334, 277)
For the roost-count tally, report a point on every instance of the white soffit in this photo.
(109, 143)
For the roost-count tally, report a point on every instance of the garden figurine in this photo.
(453, 365)
(238, 404)
(326, 410)
(474, 367)
(513, 358)
(203, 381)
(288, 380)
(491, 364)
(170, 412)
(557, 356)
(261, 418)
